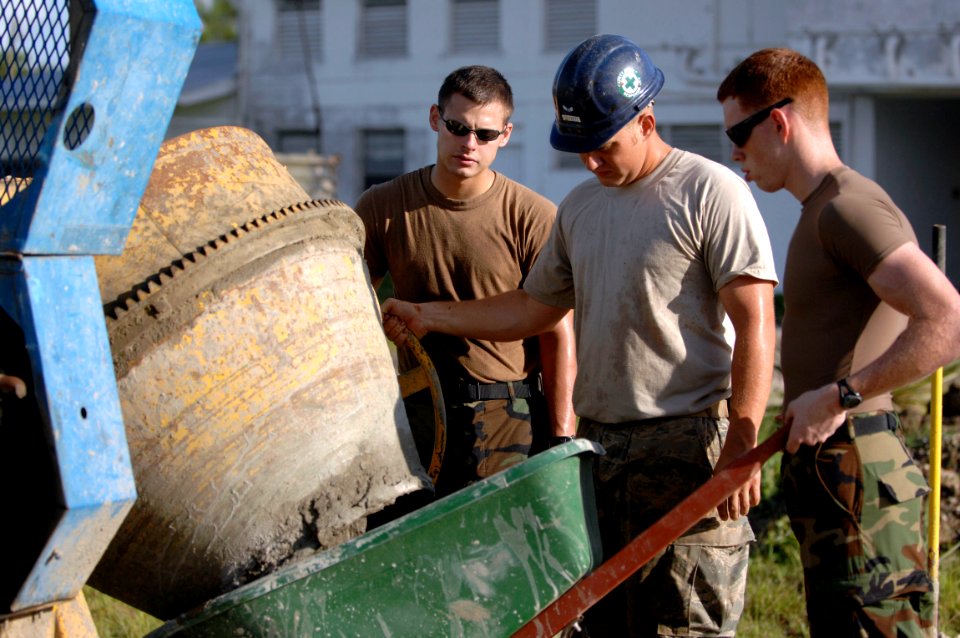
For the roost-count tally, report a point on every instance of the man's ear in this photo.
(507, 130)
(435, 117)
(647, 122)
(782, 122)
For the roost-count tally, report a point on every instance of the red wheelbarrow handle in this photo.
(600, 582)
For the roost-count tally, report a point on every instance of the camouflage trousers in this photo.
(695, 587)
(856, 508)
(483, 437)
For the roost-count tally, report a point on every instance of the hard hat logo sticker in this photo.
(568, 118)
(628, 82)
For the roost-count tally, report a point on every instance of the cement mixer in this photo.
(260, 400)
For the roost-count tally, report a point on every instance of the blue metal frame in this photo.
(56, 302)
(81, 201)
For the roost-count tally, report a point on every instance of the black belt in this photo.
(862, 425)
(467, 391)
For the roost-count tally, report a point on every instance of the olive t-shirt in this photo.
(442, 249)
(834, 324)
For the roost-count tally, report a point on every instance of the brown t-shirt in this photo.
(437, 248)
(833, 323)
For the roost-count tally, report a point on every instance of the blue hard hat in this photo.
(600, 86)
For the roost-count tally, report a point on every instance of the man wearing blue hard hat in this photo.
(655, 255)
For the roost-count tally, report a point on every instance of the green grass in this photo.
(950, 592)
(774, 599)
(115, 619)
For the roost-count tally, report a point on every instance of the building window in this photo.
(383, 29)
(299, 31)
(836, 133)
(708, 140)
(567, 161)
(475, 25)
(383, 153)
(568, 23)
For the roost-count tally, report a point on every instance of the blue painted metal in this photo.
(83, 200)
(90, 127)
(56, 302)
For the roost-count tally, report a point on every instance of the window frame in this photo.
(367, 177)
(460, 39)
(376, 15)
(565, 23)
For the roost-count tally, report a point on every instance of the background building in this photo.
(355, 79)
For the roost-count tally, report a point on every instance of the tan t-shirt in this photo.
(833, 322)
(642, 265)
(440, 249)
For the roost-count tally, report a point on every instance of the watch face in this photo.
(852, 400)
(849, 398)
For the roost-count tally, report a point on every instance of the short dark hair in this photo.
(769, 75)
(480, 84)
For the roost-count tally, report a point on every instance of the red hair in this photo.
(769, 75)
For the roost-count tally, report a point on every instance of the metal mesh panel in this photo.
(35, 42)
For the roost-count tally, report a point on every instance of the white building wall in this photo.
(867, 49)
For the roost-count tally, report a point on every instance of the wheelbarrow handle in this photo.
(578, 599)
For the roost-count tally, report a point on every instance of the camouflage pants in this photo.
(483, 437)
(856, 508)
(695, 587)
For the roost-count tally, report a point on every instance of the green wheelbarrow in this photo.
(480, 562)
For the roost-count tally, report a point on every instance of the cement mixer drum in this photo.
(258, 392)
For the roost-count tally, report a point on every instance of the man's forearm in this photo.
(509, 316)
(910, 283)
(751, 374)
(919, 350)
(750, 306)
(559, 365)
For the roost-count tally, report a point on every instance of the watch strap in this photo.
(849, 398)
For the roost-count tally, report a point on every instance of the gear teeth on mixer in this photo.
(139, 294)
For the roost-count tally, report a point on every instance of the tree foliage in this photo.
(219, 20)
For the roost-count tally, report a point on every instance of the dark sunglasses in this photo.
(740, 132)
(462, 130)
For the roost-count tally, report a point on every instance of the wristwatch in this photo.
(849, 398)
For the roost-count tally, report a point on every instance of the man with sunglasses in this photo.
(866, 312)
(656, 253)
(459, 230)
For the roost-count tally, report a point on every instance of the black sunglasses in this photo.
(462, 130)
(740, 132)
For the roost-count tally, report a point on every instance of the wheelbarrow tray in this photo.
(480, 562)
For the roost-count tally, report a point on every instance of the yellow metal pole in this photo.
(933, 531)
(936, 454)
